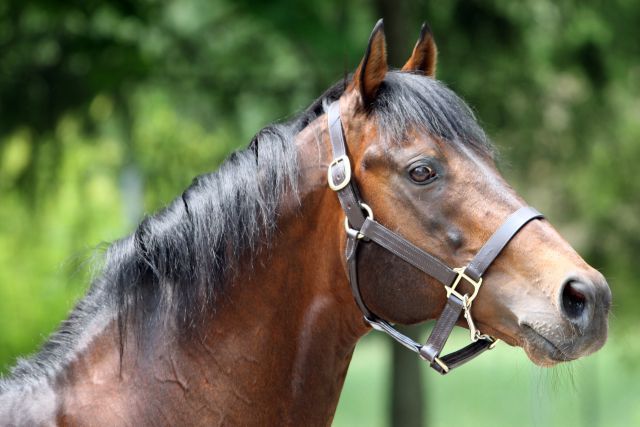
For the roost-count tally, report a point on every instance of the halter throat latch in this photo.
(361, 227)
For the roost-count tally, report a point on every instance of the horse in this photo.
(242, 301)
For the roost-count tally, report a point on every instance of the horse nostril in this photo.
(575, 297)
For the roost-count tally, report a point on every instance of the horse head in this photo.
(427, 171)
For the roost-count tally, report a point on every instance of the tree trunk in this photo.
(407, 388)
(407, 395)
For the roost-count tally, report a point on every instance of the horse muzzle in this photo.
(578, 328)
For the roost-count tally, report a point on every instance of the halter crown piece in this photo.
(364, 228)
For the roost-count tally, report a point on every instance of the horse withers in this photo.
(241, 302)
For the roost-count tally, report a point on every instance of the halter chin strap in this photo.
(360, 226)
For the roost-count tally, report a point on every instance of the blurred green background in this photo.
(108, 109)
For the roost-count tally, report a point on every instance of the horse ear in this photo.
(373, 68)
(425, 54)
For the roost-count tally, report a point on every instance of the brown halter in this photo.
(360, 227)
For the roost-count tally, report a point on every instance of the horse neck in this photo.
(277, 346)
(285, 332)
(282, 339)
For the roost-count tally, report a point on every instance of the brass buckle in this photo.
(443, 365)
(347, 173)
(461, 275)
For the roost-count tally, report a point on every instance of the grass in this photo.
(501, 388)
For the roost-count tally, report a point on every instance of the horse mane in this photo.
(408, 102)
(175, 265)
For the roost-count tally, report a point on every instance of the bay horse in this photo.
(242, 301)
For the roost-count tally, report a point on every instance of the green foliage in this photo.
(109, 109)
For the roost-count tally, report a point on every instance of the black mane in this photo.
(410, 102)
(177, 262)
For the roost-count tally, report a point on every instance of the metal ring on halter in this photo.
(460, 271)
(353, 231)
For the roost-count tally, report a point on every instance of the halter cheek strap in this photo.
(361, 226)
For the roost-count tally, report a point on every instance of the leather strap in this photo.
(465, 354)
(440, 334)
(435, 268)
(340, 169)
(496, 243)
(442, 329)
(352, 266)
(361, 227)
(408, 251)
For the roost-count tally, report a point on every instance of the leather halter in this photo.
(360, 227)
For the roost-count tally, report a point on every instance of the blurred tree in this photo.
(408, 403)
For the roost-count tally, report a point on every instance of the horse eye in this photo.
(422, 174)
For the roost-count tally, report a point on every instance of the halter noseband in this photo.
(359, 227)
